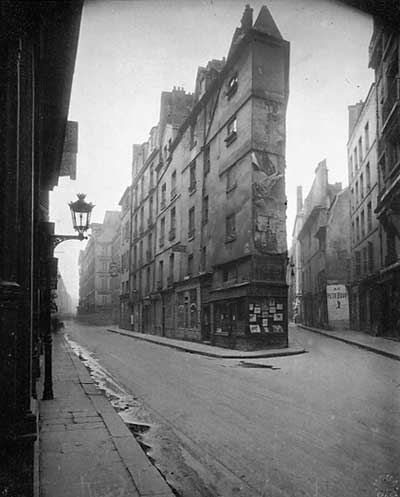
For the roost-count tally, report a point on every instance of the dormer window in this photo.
(232, 86)
(231, 129)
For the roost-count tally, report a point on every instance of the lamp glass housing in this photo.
(81, 212)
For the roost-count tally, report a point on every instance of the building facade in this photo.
(384, 53)
(95, 281)
(295, 269)
(365, 229)
(325, 253)
(38, 50)
(208, 253)
(124, 262)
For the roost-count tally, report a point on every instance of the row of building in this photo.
(345, 252)
(202, 233)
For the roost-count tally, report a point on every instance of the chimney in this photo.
(246, 22)
(299, 199)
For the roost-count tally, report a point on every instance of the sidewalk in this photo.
(85, 448)
(209, 350)
(379, 345)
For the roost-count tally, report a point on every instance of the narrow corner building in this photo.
(208, 253)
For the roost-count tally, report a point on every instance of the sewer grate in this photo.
(255, 365)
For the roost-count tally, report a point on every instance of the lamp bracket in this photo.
(57, 239)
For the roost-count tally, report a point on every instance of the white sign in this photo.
(338, 303)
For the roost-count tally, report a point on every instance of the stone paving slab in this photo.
(209, 350)
(86, 450)
(379, 345)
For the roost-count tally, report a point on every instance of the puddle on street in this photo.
(127, 406)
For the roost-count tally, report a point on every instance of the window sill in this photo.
(228, 190)
(230, 139)
(230, 239)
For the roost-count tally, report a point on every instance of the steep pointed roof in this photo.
(266, 24)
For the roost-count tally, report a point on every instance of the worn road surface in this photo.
(322, 424)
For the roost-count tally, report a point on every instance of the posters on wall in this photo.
(338, 303)
(266, 316)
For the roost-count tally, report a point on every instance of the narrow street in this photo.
(321, 424)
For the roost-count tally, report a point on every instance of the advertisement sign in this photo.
(338, 304)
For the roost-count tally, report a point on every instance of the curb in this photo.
(210, 354)
(145, 476)
(390, 355)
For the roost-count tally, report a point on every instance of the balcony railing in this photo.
(393, 96)
(171, 234)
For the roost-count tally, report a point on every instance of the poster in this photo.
(265, 323)
(254, 328)
(277, 328)
(257, 309)
(278, 317)
(279, 307)
(253, 318)
(251, 307)
(338, 303)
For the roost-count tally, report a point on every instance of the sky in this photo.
(130, 51)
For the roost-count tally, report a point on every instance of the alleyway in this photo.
(325, 424)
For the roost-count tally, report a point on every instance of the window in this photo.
(193, 136)
(355, 160)
(352, 199)
(171, 268)
(366, 137)
(357, 263)
(191, 223)
(203, 258)
(173, 185)
(353, 238)
(141, 219)
(231, 179)
(231, 131)
(356, 193)
(369, 217)
(360, 150)
(205, 209)
(141, 252)
(362, 222)
(162, 231)
(163, 195)
(232, 86)
(150, 247)
(190, 265)
(135, 256)
(104, 283)
(172, 231)
(365, 259)
(147, 281)
(367, 177)
(160, 274)
(151, 177)
(142, 188)
(370, 257)
(230, 228)
(351, 166)
(192, 177)
(126, 231)
(357, 228)
(104, 266)
(150, 210)
(206, 164)
(361, 186)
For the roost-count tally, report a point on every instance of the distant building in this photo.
(208, 254)
(124, 259)
(295, 269)
(95, 294)
(63, 299)
(325, 253)
(365, 232)
(114, 271)
(384, 53)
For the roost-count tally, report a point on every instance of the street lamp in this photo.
(80, 212)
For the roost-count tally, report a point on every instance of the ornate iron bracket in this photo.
(57, 239)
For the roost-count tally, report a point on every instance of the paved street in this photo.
(322, 424)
